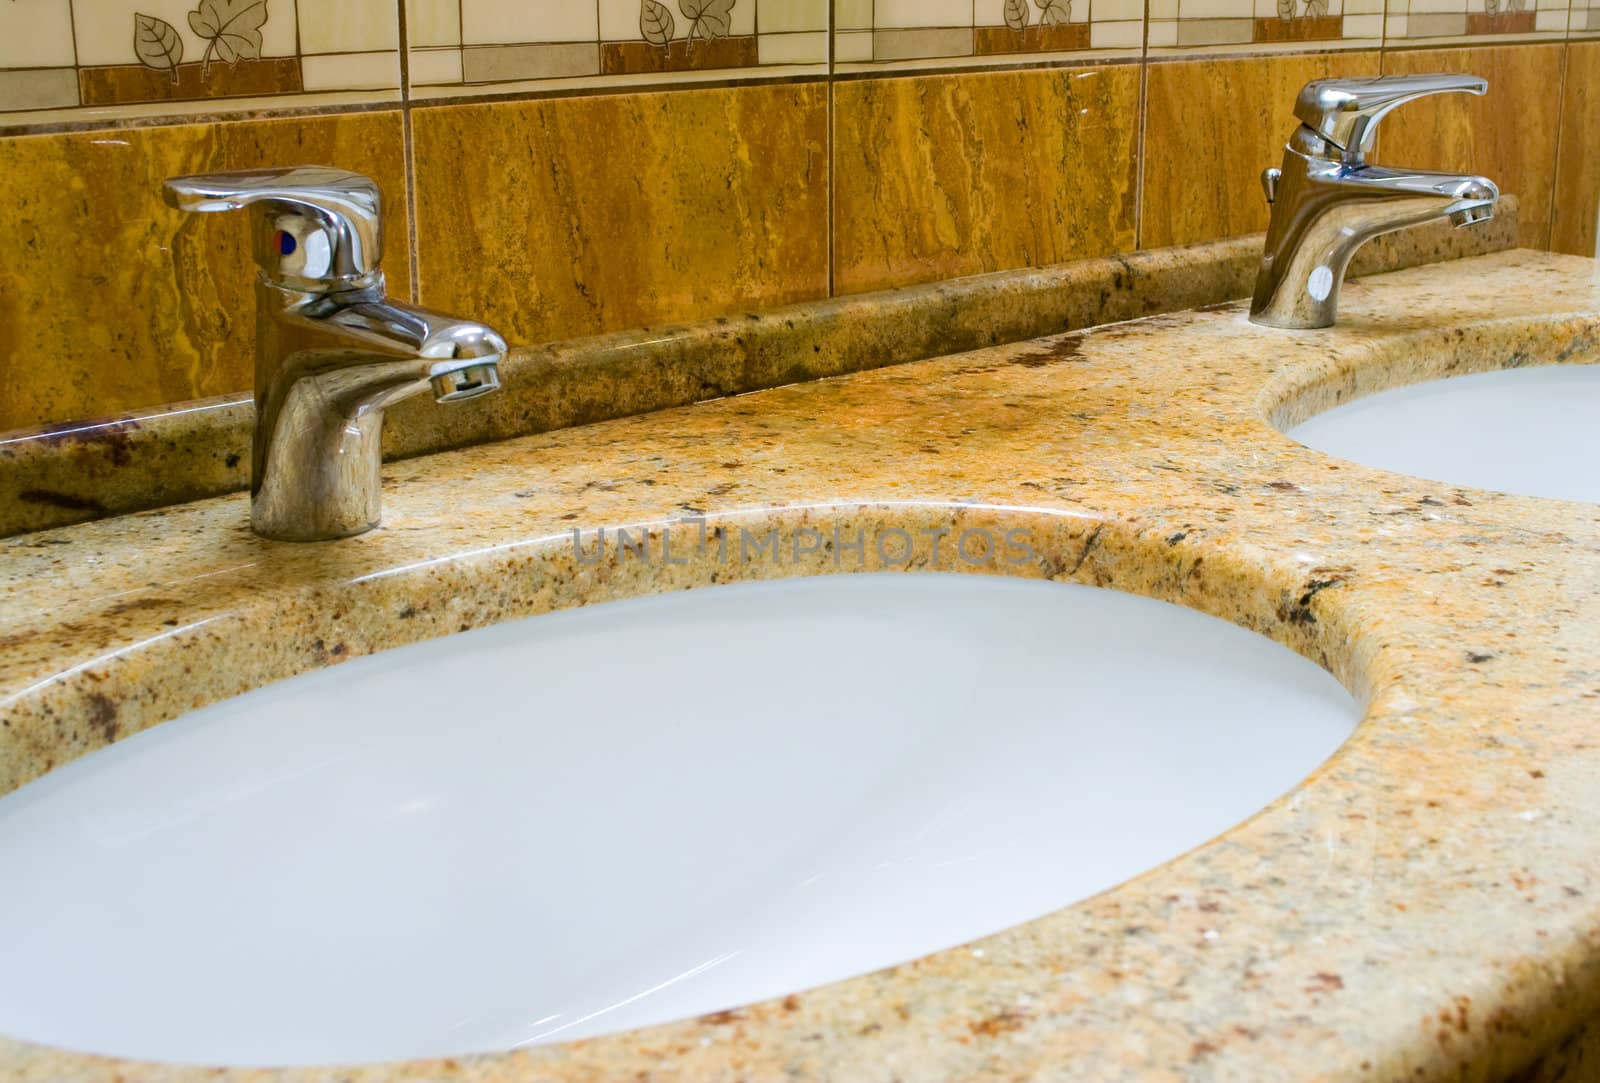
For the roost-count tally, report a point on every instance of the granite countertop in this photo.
(1425, 906)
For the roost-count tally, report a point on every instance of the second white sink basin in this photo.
(1531, 431)
(631, 813)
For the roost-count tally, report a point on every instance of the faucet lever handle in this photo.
(314, 227)
(1346, 112)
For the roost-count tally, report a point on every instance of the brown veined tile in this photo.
(937, 176)
(1577, 192)
(1502, 22)
(1509, 135)
(560, 217)
(111, 301)
(1039, 38)
(1211, 127)
(138, 83)
(1306, 28)
(636, 57)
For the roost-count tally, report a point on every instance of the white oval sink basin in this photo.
(1530, 431)
(630, 813)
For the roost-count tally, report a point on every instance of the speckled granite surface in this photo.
(1425, 906)
(80, 471)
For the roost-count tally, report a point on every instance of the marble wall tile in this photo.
(1211, 127)
(1509, 135)
(936, 176)
(160, 304)
(1575, 217)
(695, 203)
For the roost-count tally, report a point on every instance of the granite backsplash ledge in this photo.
(81, 471)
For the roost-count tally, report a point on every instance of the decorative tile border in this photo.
(104, 57)
(97, 62)
(477, 46)
(1220, 26)
(1443, 22)
(872, 34)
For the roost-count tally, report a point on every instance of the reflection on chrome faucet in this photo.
(332, 351)
(1327, 201)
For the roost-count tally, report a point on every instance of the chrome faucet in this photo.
(1327, 201)
(332, 351)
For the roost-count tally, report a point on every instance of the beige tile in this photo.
(1113, 11)
(433, 22)
(791, 16)
(807, 48)
(1216, 9)
(989, 12)
(1215, 31)
(1123, 35)
(852, 47)
(106, 37)
(435, 67)
(921, 13)
(1436, 24)
(852, 14)
(351, 71)
(38, 88)
(511, 22)
(35, 34)
(349, 26)
(505, 63)
(619, 20)
(912, 44)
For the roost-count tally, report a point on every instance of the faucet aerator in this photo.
(1472, 215)
(467, 383)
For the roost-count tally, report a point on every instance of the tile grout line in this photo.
(1561, 140)
(77, 69)
(832, 157)
(403, 44)
(1139, 146)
